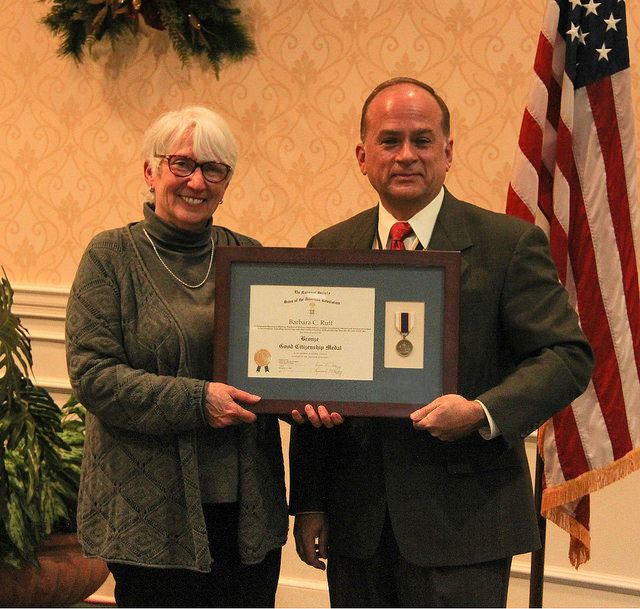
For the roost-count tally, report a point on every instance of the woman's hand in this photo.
(222, 409)
(320, 418)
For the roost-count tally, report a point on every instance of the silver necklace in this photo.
(184, 283)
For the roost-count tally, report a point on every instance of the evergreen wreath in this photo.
(196, 27)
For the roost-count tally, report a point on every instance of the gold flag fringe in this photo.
(554, 498)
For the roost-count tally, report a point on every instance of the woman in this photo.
(182, 489)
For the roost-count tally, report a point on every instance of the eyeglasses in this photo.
(183, 166)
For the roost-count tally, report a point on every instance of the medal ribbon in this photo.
(404, 322)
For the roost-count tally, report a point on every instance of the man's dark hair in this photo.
(446, 116)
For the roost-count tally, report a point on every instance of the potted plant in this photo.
(41, 450)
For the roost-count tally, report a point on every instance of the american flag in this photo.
(575, 175)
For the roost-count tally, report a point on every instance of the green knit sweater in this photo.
(131, 365)
(187, 254)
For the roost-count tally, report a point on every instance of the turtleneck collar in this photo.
(173, 238)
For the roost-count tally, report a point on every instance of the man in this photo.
(428, 511)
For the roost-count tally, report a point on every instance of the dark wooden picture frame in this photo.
(433, 275)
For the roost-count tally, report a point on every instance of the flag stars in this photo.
(574, 31)
(612, 23)
(592, 7)
(577, 34)
(575, 3)
(603, 53)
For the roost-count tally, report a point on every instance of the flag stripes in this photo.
(574, 175)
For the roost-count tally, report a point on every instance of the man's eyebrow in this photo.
(388, 132)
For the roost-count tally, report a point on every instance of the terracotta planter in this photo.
(66, 577)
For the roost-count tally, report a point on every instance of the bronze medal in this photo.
(404, 347)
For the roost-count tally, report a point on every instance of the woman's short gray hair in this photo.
(211, 136)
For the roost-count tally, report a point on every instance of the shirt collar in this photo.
(421, 223)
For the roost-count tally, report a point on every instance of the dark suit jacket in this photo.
(521, 352)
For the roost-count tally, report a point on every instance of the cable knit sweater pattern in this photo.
(129, 364)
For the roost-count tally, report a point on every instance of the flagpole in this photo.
(536, 578)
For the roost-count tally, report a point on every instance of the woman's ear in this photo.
(148, 174)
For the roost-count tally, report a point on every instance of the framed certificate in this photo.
(364, 332)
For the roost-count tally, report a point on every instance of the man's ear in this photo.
(360, 155)
(448, 151)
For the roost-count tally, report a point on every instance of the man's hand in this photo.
(320, 418)
(221, 408)
(310, 532)
(449, 417)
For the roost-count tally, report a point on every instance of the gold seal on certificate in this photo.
(404, 325)
(262, 357)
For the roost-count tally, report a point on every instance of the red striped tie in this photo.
(399, 231)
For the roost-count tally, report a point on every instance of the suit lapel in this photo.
(450, 231)
(364, 234)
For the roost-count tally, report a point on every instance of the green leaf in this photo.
(40, 444)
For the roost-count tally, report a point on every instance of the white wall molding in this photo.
(43, 336)
(40, 302)
(302, 592)
(53, 384)
(292, 589)
(553, 575)
(582, 579)
(42, 311)
(301, 583)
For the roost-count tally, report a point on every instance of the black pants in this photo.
(230, 583)
(387, 579)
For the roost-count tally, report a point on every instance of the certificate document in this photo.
(307, 332)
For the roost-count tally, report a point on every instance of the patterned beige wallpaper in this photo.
(70, 133)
